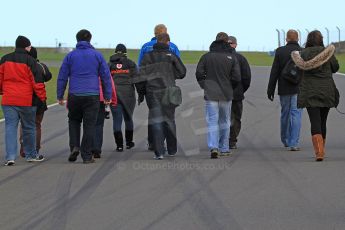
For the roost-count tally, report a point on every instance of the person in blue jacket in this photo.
(146, 48)
(82, 68)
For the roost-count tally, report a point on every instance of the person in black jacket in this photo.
(290, 119)
(158, 70)
(123, 70)
(237, 101)
(43, 71)
(218, 73)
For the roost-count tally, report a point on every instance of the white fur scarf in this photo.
(317, 61)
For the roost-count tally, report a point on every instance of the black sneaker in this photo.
(89, 161)
(295, 149)
(74, 154)
(96, 155)
(119, 149)
(9, 163)
(171, 154)
(233, 146)
(130, 145)
(214, 153)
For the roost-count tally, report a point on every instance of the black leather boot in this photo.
(129, 139)
(119, 141)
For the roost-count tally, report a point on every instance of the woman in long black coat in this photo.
(123, 71)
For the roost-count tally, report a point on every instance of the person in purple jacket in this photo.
(82, 68)
(146, 48)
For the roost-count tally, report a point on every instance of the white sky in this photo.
(192, 24)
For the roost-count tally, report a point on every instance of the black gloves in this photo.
(270, 96)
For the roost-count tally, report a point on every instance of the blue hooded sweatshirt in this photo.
(148, 47)
(82, 67)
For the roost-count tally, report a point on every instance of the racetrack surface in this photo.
(261, 186)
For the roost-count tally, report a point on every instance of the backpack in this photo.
(291, 73)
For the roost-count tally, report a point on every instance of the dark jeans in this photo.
(236, 115)
(98, 134)
(38, 121)
(318, 120)
(162, 125)
(120, 113)
(82, 109)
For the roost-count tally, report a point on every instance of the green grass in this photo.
(258, 58)
(341, 60)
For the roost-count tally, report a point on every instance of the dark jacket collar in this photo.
(84, 45)
(221, 46)
(21, 50)
(161, 47)
(117, 57)
(154, 39)
(292, 43)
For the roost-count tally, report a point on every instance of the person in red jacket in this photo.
(103, 113)
(22, 89)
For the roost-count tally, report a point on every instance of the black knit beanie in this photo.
(22, 42)
(33, 52)
(121, 48)
(84, 35)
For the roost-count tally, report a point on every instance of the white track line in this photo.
(2, 120)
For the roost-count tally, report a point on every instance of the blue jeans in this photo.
(26, 115)
(290, 120)
(119, 112)
(218, 124)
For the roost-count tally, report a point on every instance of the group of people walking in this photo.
(96, 87)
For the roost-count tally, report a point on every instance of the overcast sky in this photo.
(192, 24)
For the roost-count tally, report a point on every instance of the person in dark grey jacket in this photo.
(158, 70)
(123, 70)
(237, 101)
(44, 71)
(290, 118)
(218, 73)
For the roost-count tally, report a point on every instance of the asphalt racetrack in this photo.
(262, 186)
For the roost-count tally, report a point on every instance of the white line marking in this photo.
(52, 105)
(49, 106)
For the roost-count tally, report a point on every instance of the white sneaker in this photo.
(158, 157)
(225, 154)
(9, 163)
(36, 159)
